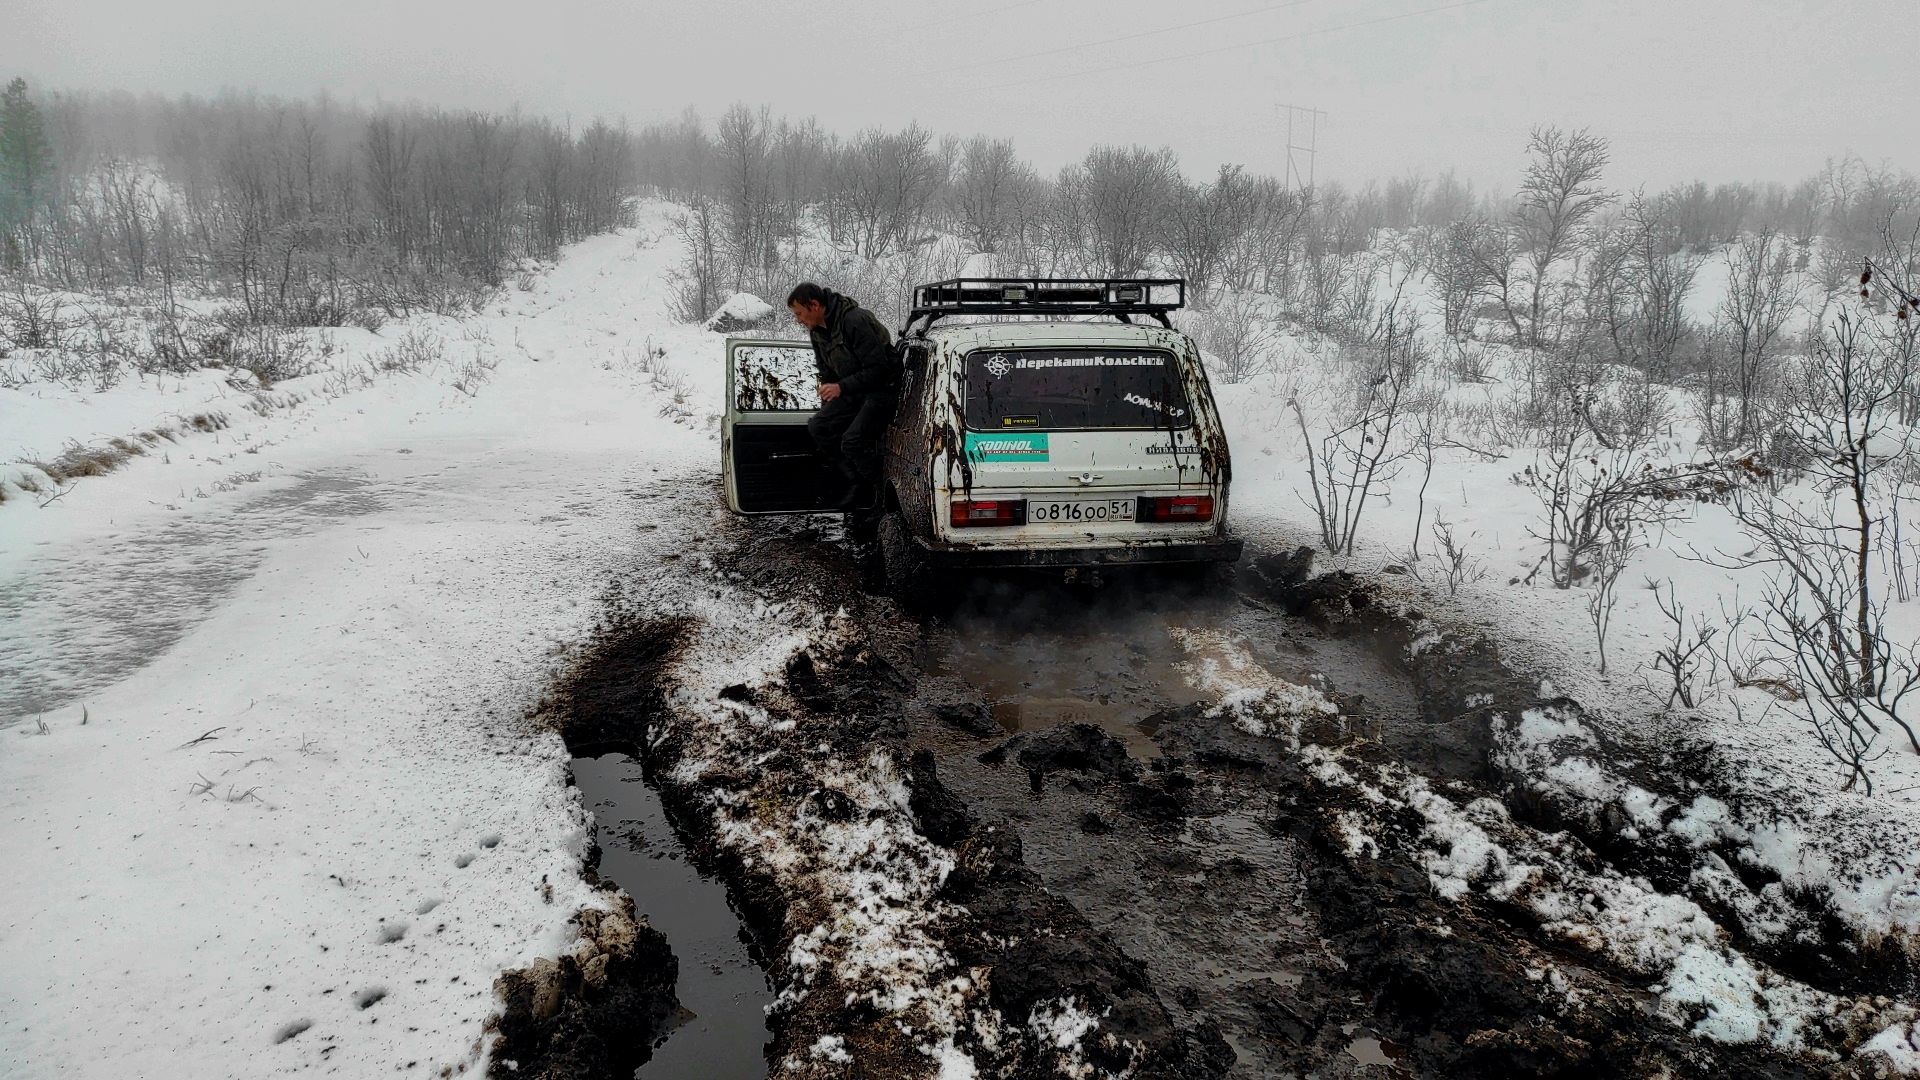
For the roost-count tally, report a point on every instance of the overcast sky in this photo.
(1684, 89)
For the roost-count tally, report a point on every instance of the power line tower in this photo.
(1303, 139)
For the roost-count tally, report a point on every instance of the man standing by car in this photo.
(859, 387)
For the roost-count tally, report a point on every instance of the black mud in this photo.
(1033, 945)
(1121, 841)
(596, 1011)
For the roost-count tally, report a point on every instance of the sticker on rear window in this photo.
(987, 449)
(1069, 389)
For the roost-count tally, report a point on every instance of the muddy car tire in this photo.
(908, 577)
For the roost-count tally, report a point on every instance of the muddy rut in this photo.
(1140, 825)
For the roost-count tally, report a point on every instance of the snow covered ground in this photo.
(267, 800)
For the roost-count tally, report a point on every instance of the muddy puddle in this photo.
(1124, 656)
(83, 618)
(722, 1031)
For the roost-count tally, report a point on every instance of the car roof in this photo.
(965, 337)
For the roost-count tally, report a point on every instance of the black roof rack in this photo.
(1119, 297)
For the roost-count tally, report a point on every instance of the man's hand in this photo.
(829, 391)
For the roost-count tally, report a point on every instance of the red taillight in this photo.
(971, 514)
(1176, 508)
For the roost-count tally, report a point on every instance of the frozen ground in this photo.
(266, 801)
(266, 797)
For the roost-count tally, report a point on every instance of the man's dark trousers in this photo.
(849, 429)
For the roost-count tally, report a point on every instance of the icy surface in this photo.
(285, 813)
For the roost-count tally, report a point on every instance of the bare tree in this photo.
(1124, 192)
(888, 181)
(1637, 286)
(990, 186)
(1203, 222)
(1762, 294)
(1450, 254)
(1559, 196)
(1237, 334)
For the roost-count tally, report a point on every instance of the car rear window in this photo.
(1067, 389)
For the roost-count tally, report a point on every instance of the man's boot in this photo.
(859, 497)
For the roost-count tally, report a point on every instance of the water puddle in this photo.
(722, 988)
(80, 620)
(1047, 655)
(1369, 1049)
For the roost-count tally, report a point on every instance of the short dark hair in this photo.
(807, 293)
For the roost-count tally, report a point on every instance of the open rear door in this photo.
(769, 459)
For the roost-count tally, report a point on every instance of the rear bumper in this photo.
(966, 556)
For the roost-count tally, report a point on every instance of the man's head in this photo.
(808, 302)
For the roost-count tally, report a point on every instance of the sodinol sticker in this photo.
(987, 449)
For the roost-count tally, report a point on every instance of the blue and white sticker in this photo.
(986, 449)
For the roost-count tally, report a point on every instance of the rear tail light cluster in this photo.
(974, 513)
(1175, 508)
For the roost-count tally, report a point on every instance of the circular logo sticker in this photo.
(999, 366)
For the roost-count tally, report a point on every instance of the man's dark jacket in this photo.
(852, 348)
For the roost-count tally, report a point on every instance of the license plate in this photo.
(1079, 510)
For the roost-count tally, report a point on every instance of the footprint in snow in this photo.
(288, 1031)
(392, 932)
(368, 998)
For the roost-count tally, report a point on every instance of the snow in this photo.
(285, 812)
(1901, 1046)
(741, 309)
(1792, 818)
(1476, 849)
(1259, 702)
(875, 929)
(354, 583)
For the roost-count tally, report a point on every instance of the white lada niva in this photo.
(1069, 437)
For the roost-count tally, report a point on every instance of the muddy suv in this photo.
(1050, 441)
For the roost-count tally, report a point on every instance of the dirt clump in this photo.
(596, 1010)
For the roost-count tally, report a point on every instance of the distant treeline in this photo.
(308, 212)
(757, 184)
(304, 212)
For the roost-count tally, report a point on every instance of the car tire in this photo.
(909, 579)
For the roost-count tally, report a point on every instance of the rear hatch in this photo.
(1081, 434)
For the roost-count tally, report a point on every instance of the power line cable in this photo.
(1117, 40)
(978, 14)
(1239, 45)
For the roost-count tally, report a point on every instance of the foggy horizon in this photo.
(1404, 88)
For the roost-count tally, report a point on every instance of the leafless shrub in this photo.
(1687, 657)
(417, 350)
(1609, 561)
(1825, 610)
(272, 354)
(31, 318)
(1457, 565)
(473, 374)
(1360, 451)
(1237, 335)
(1589, 495)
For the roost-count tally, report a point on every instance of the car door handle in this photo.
(786, 457)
